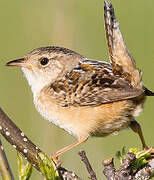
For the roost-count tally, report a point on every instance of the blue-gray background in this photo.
(78, 25)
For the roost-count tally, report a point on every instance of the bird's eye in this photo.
(44, 61)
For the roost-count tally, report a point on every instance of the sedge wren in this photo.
(87, 97)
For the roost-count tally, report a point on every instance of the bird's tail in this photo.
(122, 62)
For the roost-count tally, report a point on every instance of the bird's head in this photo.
(44, 65)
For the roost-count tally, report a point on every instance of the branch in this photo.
(88, 165)
(109, 170)
(25, 146)
(68, 175)
(18, 139)
(125, 171)
(5, 169)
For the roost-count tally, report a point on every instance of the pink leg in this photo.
(61, 151)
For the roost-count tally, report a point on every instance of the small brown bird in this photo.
(87, 97)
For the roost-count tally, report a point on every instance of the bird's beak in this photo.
(18, 62)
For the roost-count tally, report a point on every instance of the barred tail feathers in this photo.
(122, 62)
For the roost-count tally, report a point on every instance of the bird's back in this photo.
(91, 83)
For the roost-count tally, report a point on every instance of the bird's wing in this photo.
(91, 83)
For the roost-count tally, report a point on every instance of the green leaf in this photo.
(47, 167)
(121, 154)
(124, 152)
(118, 155)
(24, 168)
(141, 158)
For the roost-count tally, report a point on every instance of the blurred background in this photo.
(78, 25)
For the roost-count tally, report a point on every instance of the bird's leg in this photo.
(135, 126)
(61, 151)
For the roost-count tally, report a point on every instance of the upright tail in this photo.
(122, 62)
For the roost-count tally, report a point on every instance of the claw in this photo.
(151, 151)
(56, 160)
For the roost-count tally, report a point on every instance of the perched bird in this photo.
(87, 97)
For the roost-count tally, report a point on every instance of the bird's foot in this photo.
(56, 160)
(150, 150)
